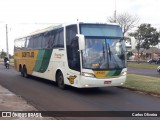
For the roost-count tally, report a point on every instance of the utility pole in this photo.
(7, 42)
(115, 14)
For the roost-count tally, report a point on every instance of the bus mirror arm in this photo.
(81, 41)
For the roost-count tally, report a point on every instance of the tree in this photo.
(146, 36)
(126, 21)
(3, 54)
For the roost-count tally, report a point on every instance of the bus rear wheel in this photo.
(60, 80)
(21, 70)
(25, 72)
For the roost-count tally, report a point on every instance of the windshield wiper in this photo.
(110, 53)
(109, 50)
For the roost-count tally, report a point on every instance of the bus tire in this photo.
(25, 72)
(21, 70)
(22, 73)
(60, 80)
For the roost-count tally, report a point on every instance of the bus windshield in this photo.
(102, 53)
(104, 47)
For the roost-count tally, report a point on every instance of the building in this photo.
(146, 54)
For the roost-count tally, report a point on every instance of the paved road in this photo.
(45, 95)
(143, 71)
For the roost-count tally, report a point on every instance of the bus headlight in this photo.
(88, 74)
(124, 73)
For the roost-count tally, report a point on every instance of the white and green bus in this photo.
(81, 55)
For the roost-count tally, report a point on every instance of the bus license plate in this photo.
(107, 82)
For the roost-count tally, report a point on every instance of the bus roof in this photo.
(52, 27)
(56, 26)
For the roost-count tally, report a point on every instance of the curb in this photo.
(9, 103)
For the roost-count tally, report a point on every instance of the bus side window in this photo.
(72, 48)
(43, 40)
(30, 43)
(49, 40)
(59, 39)
(46, 40)
(37, 42)
(20, 44)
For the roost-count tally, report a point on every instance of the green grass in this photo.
(143, 83)
(143, 65)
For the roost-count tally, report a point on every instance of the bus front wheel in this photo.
(60, 80)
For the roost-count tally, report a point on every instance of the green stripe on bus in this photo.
(42, 60)
(118, 72)
(114, 73)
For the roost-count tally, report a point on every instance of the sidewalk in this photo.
(12, 102)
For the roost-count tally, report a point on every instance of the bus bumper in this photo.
(87, 82)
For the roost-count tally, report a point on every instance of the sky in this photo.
(25, 16)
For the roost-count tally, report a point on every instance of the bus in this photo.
(82, 55)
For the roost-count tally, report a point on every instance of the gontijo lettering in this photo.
(27, 54)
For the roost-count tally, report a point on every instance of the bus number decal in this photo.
(27, 54)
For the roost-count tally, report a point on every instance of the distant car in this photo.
(158, 61)
(154, 60)
(158, 69)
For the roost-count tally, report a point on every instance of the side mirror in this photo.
(81, 40)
